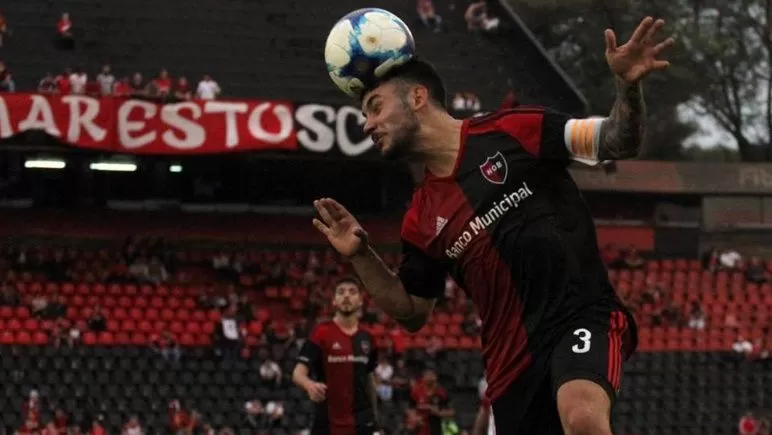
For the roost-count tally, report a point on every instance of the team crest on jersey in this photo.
(494, 169)
(365, 346)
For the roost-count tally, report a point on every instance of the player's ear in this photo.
(418, 97)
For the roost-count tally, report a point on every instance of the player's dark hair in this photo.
(348, 280)
(416, 71)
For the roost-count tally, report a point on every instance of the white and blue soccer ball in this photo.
(363, 46)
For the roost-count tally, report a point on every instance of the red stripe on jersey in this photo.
(523, 123)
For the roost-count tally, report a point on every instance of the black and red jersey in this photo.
(344, 363)
(512, 229)
(422, 396)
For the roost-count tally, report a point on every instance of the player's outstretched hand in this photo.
(340, 227)
(317, 391)
(640, 55)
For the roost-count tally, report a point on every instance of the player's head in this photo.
(347, 297)
(395, 103)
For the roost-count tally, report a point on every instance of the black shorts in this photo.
(593, 349)
(367, 429)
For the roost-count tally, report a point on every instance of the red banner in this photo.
(143, 127)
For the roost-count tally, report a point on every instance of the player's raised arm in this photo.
(389, 290)
(621, 134)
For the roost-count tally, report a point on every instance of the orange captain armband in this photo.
(582, 139)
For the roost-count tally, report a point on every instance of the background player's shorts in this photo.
(368, 429)
(593, 348)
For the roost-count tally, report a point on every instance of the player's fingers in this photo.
(642, 29)
(329, 204)
(339, 209)
(324, 229)
(323, 212)
(662, 46)
(656, 27)
(660, 64)
(611, 40)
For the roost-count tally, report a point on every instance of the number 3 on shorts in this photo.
(584, 336)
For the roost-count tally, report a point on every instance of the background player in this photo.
(342, 356)
(499, 210)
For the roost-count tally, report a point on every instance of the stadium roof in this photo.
(530, 35)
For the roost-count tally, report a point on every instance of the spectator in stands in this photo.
(477, 18)
(429, 16)
(254, 414)
(9, 295)
(730, 259)
(167, 346)
(139, 271)
(435, 349)
(208, 89)
(97, 428)
(274, 411)
(156, 271)
(270, 371)
(38, 304)
(400, 381)
(431, 401)
(633, 259)
(132, 427)
(57, 308)
(161, 86)
(97, 322)
(742, 345)
(78, 81)
(64, 30)
(748, 424)
(178, 418)
(696, 316)
(122, 87)
(30, 410)
(106, 81)
(709, 259)
(756, 272)
(227, 338)
(63, 330)
(6, 79)
(137, 86)
(182, 89)
(384, 374)
(471, 324)
(57, 268)
(63, 86)
(4, 31)
(47, 85)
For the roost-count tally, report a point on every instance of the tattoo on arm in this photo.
(622, 133)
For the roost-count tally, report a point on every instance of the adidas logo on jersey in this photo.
(336, 346)
(441, 222)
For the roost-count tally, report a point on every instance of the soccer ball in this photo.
(363, 46)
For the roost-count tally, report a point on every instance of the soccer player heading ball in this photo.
(498, 210)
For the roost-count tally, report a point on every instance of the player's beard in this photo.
(347, 312)
(405, 138)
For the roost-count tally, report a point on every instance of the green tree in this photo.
(719, 67)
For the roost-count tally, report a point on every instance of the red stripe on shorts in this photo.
(618, 326)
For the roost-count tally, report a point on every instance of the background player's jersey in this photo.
(344, 363)
(512, 228)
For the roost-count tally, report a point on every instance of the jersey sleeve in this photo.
(311, 352)
(421, 275)
(552, 135)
